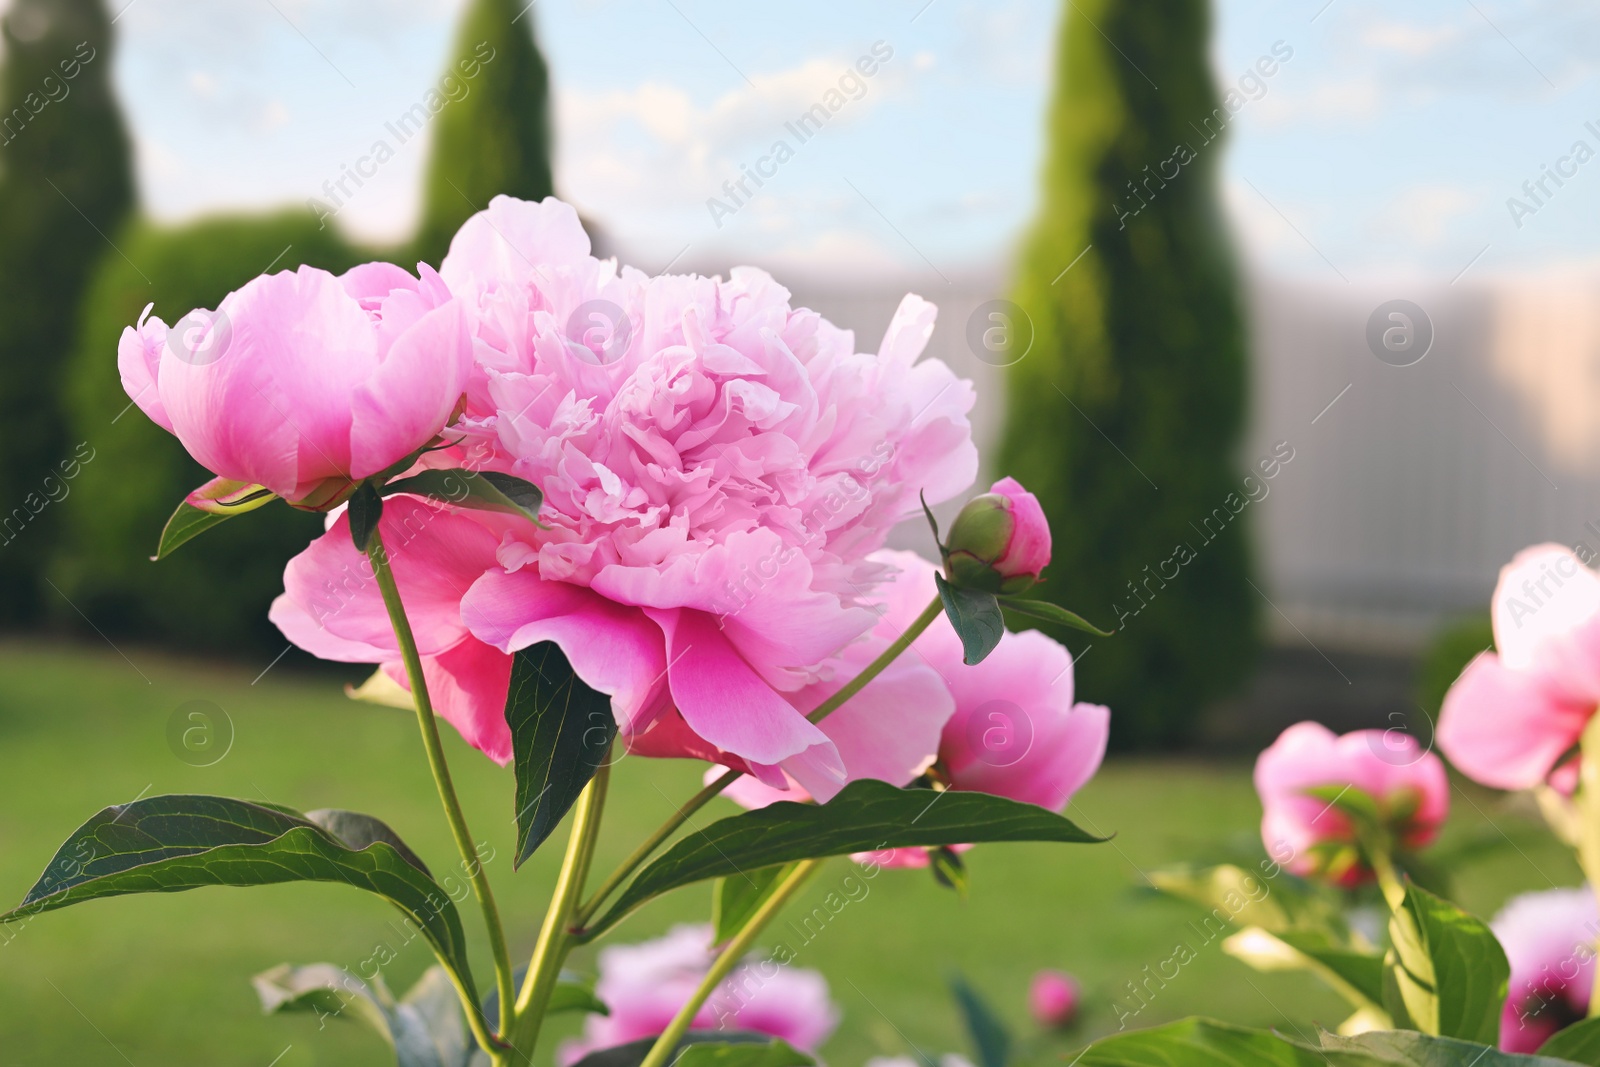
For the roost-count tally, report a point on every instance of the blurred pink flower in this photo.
(1053, 998)
(1408, 784)
(1000, 540)
(1548, 938)
(304, 381)
(646, 984)
(717, 469)
(1514, 712)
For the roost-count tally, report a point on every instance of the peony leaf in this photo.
(736, 897)
(561, 733)
(866, 816)
(1204, 1043)
(167, 844)
(706, 1048)
(424, 1029)
(990, 1040)
(484, 490)
(1048, 612)
(1579, 1043)
(975, 614)
(217, 501)
(1448, 974)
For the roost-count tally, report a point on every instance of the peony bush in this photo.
(579, 512)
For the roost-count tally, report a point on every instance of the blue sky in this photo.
(1387, 145)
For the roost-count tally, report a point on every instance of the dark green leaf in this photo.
(976, 617)
(1579, 1043)
(483, 490)
(948, 870)
(736, 898)
(775, 1053)
(865, 816)
(168, 844)
(713, 1041)
(365, 511)
(1449, 974)
(1043, 609)
(561, 732)
(990, 1040)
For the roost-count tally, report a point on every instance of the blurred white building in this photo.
(1411, 485)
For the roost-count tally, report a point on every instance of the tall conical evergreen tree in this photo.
(66, 184)
(497, 138)
(1125, 415)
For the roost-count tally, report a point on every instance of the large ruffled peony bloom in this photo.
(1016, 730)
(1548, 939)
(1408, 784)
(717, 467)
(1516, 711)
(303, 381)
(645, 985)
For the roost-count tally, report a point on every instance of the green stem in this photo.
(667, 1043)
(647, 848)
(544, 969)
(447, 791)
(875, 668)
(1589, 825)
(649, 845)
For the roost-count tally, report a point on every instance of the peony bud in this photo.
(1053, 999)
(999, 542)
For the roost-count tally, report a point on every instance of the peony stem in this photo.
(700, 799)
(875, 668)
(1589, 825)
(667, 1043)
(447, 790)
(650, 844)
(554, 941)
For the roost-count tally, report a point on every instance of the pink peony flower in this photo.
(1408, 784)
(1548, 939)
(717, 468)
(1016, 730)
(304, 381)
(1053, 998)
(645, 985)
(1514, 712)
(999, 541)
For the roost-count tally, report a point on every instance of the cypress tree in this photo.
(495, 139)
(1126, 412)
(65, 184)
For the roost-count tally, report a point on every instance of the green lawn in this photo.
(163, 981)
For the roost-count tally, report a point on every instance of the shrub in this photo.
(66, 182)
(496, 139)
(1125, 415)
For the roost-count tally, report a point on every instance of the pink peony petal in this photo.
(413, 393)
(614, 649)
(724, 700)
(1506, 728)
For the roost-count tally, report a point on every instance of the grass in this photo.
(163, 981)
